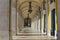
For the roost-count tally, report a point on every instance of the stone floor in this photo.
(36, 39)
(33, 38)
(27, 34)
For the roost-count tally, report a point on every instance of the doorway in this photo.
(53, 22)
(44, 23)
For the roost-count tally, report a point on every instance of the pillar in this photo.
(49, 20)
(13, 17)
(4, 19)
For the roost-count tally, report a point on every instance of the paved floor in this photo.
(33, 38)
(27, 34)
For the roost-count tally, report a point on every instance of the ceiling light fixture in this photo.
(30, 7)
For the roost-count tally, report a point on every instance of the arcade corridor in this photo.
(33, 20)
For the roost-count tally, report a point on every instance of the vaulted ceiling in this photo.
(23, 7)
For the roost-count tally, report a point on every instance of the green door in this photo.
(44, 23)
(53, 22)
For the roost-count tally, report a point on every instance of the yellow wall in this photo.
(49, 21)
(56, 15)
(56, 23)
(48, 17)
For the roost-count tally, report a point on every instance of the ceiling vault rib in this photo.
(27, 7)
(27, 1)
(23, 7)
(27, 10)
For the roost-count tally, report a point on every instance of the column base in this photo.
(48, 33)
(55, 34)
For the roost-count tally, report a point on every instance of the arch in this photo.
(27, 1)
(27, 9)
(27, 6)
(35, 6)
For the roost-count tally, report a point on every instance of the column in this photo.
(58, 14)
(4, 19)
(49, 19)
(42, 22)
(38, 25)
(13, 17)
(13, 21)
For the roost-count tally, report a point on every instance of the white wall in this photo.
(20, 22)
(35, 26)
(58, 38)
(4, 19)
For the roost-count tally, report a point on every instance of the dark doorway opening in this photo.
(53, 22)
(44, 23)
(27, 22)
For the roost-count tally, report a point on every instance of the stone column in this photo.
(4, 19)
(58, 13)
(13, 17)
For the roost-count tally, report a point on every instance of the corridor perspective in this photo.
(33, 20)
